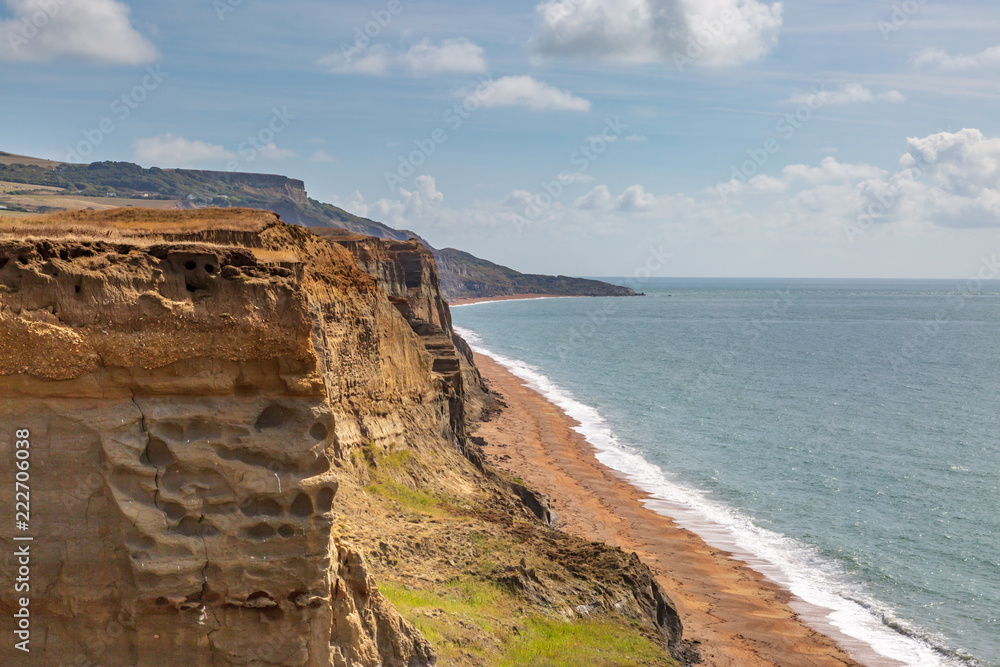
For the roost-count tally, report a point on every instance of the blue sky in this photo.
(890, 169)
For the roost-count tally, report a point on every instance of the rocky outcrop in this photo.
(210, 397)
(407, 272)
(187, 403)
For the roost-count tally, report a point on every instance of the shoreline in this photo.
(737, 616)
(512, 297)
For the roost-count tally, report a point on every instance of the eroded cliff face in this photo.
(226, 413)
(408, 273)
(187, 403)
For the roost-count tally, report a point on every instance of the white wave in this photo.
(483, 303)
(796, 566)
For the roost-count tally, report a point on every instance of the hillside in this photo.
(30, 186)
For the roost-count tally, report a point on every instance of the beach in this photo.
(735, 616)
(511, 297)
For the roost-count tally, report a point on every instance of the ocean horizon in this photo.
(837, 435)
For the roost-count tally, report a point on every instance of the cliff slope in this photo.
(235, 424)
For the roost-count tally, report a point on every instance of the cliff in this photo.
(235, 425)
(463, 275)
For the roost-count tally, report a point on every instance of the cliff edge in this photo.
(237, 427)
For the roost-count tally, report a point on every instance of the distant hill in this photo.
(465, 276)
(31, 186)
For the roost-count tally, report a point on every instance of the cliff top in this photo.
(134, 223)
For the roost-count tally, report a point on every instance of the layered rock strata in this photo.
(196, 386)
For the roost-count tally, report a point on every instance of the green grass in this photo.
(386, 468)
(414, 500)
(549, 643)
(493, 612)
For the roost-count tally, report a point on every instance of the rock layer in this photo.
(187, 401)
(198, 387)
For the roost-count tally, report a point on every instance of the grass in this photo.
(413, 500)
(386, 469)
(7, 187)
(549, 643)
(472, 622)
(10, 158)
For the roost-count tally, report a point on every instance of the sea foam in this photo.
(870, 629)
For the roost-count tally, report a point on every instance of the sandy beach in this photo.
(512, 297)
(740, 618)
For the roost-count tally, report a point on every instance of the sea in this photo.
(841, 437)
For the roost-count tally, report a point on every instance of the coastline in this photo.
(512, 297)
(738, 617)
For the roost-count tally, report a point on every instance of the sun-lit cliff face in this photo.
(188, 394)
(203, 390)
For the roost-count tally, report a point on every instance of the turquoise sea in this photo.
(841, 436)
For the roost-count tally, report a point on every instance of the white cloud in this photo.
(964, 168)
(597, 199)
(637, 138)
(322, 156)
(272, 152)
(767, 185)
(851, 93)
(95, 30)
(525, 91)
(168, 150)
(453, 55)
(943, 182)
(634, 198)
(575, 177)
(939, 58)
(829, 170)
(424, 58)
(714, 33)
(420, 204)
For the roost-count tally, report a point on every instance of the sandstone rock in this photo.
(188, 390)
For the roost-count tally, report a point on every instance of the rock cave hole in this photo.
(324, 499)
(273, 416)
(302, 506)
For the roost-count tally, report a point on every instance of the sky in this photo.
(731, 138)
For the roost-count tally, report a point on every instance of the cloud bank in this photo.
(943, 181)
